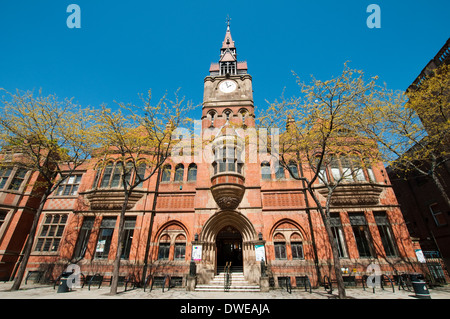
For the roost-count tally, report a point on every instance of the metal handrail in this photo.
(227, 270)
(307, 283)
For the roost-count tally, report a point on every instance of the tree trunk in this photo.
(115, 274)
(28, 245)
(440, 187)
(334, 248)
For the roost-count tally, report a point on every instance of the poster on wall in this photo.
(420, 256)
(100, 246)
(197, 252)
(260, 253)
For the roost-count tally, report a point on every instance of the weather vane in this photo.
(228, 20)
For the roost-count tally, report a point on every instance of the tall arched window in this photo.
(265, 171)
(212, 116)
(279, 243)
(279, 174)
(141, 173)
(293, 169)
(166, 173)
(179, 172)
(192, 173)
(106, 175)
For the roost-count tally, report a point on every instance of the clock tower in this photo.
(228, 94)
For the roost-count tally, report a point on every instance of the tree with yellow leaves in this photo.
(320, 133)
(45, 135)
(139, 139)
(413, 128)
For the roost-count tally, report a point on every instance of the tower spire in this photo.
(228, 63)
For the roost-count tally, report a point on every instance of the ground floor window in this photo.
(280, 250)
(83, 237)
(163, 251)
(297, 250)
(105, 237)
(387, 237)
(130, 223)
(338, 233)
(362, 235)
(180, 251)
(51, 232)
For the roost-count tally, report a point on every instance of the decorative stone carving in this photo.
(110, 199)
(228, 190)
(354, 194)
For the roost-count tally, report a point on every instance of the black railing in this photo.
(303, 281)
(95, 279)
(227, 276)
(158, 280)
(130, 280)
(383, 277)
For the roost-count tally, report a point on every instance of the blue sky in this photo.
(127, 47)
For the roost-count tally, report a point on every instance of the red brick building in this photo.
(232, 208)
(425, 210)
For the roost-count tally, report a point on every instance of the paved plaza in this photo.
(35, 291)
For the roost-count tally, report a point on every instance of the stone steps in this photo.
(237, 284)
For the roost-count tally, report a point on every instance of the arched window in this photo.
(166, 173)
(179, 172)
(297, 246)
(288, 235)
(180, 247)
(243, 113)
(228, 114)
(107, 172)
(117, 173)
(164, 247)
(212, 116)
(293, 169)
(279, 243)
(265, 171)
(192, 173)
(279, 174)
(141, 173)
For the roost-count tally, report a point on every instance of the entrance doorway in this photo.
(229, 248)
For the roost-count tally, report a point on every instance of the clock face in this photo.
(227, 86)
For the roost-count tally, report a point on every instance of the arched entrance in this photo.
(229, 248)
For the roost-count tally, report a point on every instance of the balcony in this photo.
(354, 194)
(228, 189)
(110, 198)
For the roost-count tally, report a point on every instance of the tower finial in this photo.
(228, 21)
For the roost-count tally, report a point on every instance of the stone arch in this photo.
(172, 225)
(289, 224)
(224, 218)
